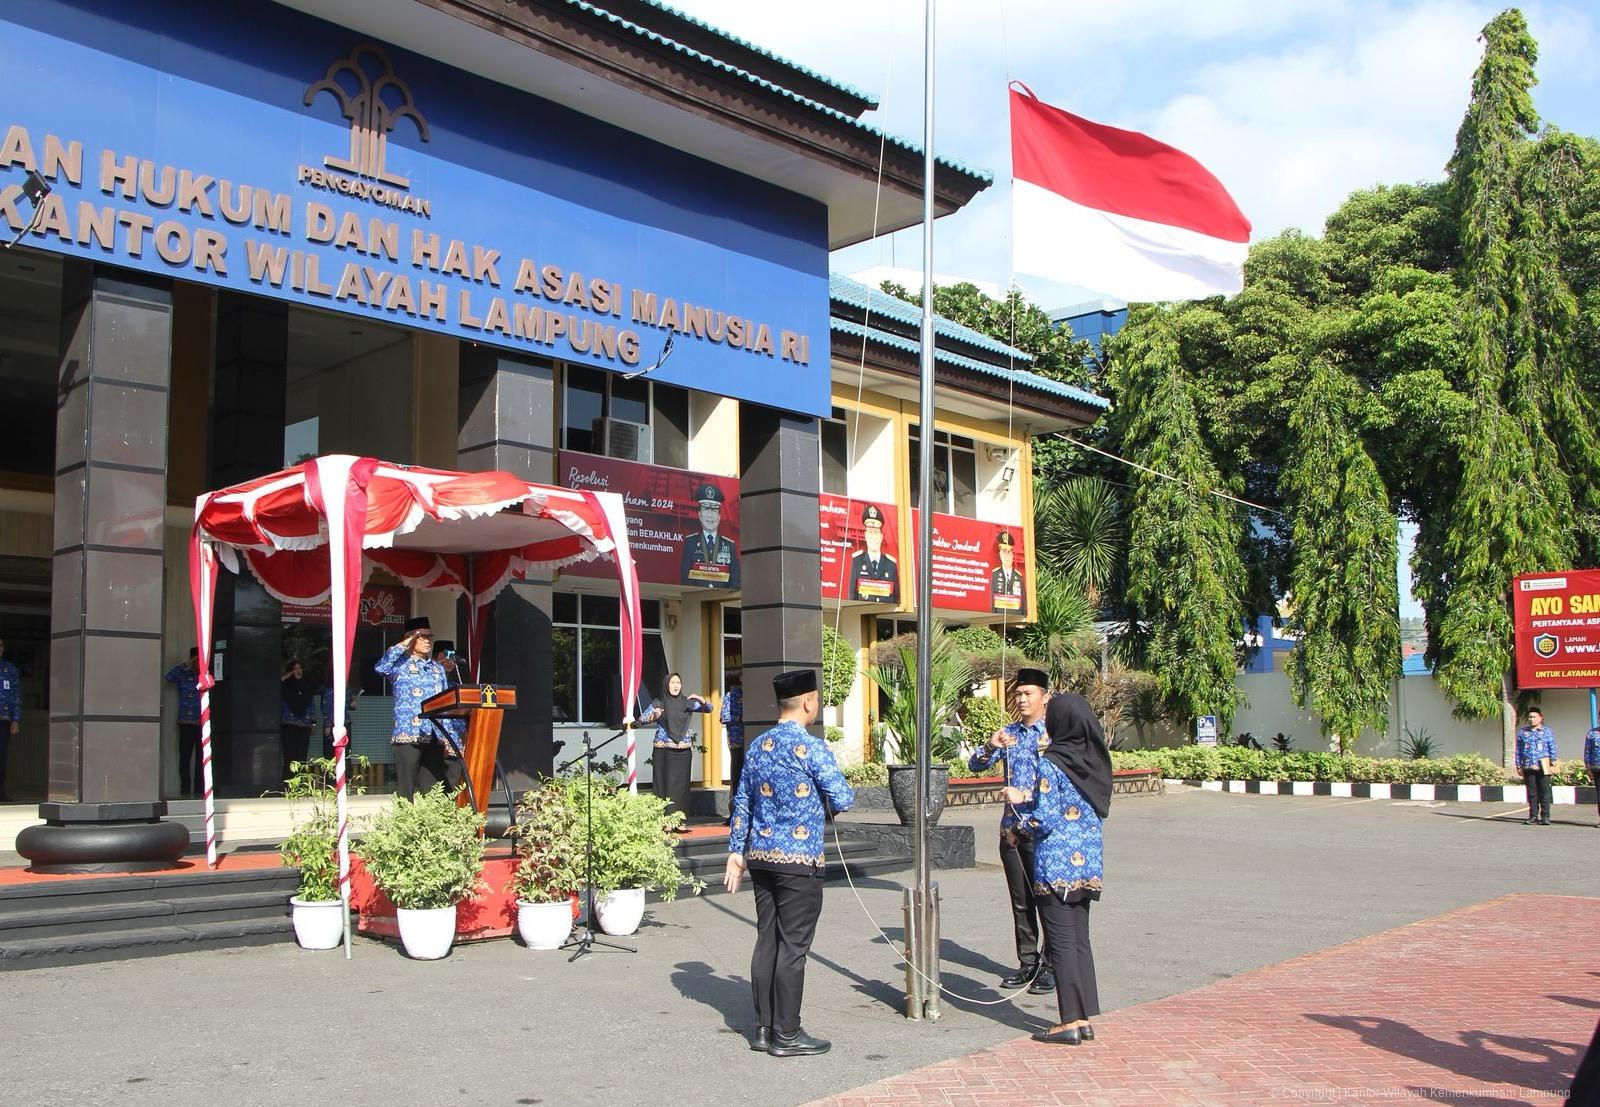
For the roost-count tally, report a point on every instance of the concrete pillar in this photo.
(780, 568)
(507, 421)
(248, 395)
(107, 581)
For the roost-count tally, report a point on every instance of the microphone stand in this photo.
(585, 942)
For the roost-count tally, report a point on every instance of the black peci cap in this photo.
(418, 622)
(795, 682)
(1036, 677)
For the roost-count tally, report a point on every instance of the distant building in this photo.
(1093, 321)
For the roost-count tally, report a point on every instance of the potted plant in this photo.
(426, 855)
(550, 843)
(312, 847)
(894, 671)
(633, 853)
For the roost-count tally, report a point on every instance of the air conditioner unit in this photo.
(628, 441)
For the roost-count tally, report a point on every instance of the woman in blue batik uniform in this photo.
(674, 744)
(418, 756)
(1591, 761)
(1062, 807)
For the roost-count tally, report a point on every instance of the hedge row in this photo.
(1236, 763)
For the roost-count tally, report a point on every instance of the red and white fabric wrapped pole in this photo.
(203, 593)
(632, 635)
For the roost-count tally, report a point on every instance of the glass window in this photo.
(955, 473)
(600, 611)
(963, 482)
(670, 427)
(835, 455)
(583, 409)
(601, 664)
(30, 343)
(586, 660)
(564, 673)
(630, 400)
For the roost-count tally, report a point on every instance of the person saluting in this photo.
(776, 836)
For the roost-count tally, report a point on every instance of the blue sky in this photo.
(1292, 103)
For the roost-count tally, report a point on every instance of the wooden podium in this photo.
(484, 707)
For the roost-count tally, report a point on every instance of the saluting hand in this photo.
(733, 874)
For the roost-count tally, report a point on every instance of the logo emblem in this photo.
(1546, 645)
(373, 99)
(487, 697)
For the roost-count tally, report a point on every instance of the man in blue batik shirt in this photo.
(1016, 746)
(185, 676)
(1536, 760)
(1591, 761)
(10, 713)
(732, 719)
(776, 835)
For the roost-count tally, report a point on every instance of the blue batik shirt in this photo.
(187, 681)
(662, 739)
(732, 717)
(1068, 852)
(1023, 757)
(1534, 742)
(1591, 748)
(415, 679)
(10, 692)
(777, 811)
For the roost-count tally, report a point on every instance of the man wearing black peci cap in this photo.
(776, 835)
(1016, 746)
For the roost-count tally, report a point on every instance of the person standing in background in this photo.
(10, 713)
(732, 719)
(185, 677)
(294, 716)
(1536, 761)
(1591, 761)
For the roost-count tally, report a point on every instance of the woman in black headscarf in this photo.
(1062, 808)
(674, 743)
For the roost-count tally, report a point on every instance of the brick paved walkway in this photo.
(1444, 1010)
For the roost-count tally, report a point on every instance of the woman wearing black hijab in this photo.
(674, 743)
(1062, 805)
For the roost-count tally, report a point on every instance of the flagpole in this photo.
(922, 913)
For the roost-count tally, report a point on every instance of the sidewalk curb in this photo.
(1566, 794)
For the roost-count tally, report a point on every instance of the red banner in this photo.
(851, 566)
(382, 605)
(1558, 629)
(978, 566)
(683, 527)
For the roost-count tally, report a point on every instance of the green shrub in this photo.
(1236, 763)
(981, 716)
(550, 842)
(833, 733)
(313, 847)
(425, 853)
(868, 774)
(838, 667)
(1572, 772)
(633, 845)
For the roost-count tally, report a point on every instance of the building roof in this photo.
(847, 290)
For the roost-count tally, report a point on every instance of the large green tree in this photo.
(1185, 578)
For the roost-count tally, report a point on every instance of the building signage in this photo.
(382, 605)
(1557, 629)
(1205, 730)
(978, 566)
(860, 550)
(284, 156)
(683, 527)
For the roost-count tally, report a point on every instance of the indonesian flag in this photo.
(1118, 212)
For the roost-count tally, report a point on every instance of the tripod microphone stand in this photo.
(586, 942)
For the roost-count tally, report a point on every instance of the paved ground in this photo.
(1424, 1013)
(1201, 887)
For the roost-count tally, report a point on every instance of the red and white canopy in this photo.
(313, 532)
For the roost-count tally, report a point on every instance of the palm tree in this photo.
(1079, 532)
(894, 671)
(1061, 637)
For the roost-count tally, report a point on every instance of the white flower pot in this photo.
(621, 912)
(318, 923)
(427, 934)
(544, 925)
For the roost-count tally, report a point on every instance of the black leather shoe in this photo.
(1017, 979)
(1086, 1032)
(798, 1044)
(1069, 1036)
(1043, 984)
(763, 1039)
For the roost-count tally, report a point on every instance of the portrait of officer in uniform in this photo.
(1005, 583)
(709, 559)
(874, 575)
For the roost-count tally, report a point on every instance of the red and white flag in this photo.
(1118, 212)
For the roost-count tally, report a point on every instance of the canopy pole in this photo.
(923, 1002)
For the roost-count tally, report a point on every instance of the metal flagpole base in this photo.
(922, 954)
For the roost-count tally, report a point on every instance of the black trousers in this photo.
(296, 745)
(191, 779)
(1538, 793)
(670, 778)
(787, 907)
(1594, 779)
(418, 766)
(1066, 929)
(5, 748)
(1017, 861)
(736, 770)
